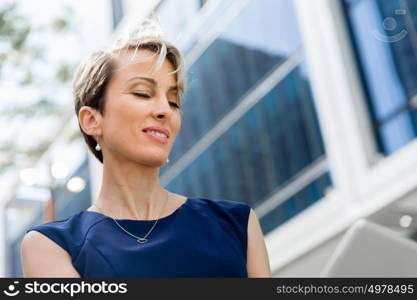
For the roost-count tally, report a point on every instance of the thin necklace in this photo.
(138, 239)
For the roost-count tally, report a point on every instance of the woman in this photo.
(127, 100)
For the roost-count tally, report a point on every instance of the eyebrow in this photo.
(152, 81)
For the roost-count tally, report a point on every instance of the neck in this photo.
(131, 191)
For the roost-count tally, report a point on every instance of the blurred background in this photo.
(305, 110)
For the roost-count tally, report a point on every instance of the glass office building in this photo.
(249, 126)
(385, 40)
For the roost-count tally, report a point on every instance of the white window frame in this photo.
(364, 181)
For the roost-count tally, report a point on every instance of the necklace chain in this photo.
(138, 239)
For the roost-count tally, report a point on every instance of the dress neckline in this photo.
(141, 221)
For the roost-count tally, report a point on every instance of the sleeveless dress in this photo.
(201, 238)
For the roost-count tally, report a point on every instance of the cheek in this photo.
(121, 121)
(179, 121)
(177, 125)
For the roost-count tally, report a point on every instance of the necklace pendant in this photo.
(141, 240)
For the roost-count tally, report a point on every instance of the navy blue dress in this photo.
(202, 238)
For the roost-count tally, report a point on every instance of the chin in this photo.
(154, 162)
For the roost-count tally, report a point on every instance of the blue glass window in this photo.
(275, 139)
(261, 37)
(384, 36)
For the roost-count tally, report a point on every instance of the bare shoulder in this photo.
(257, 254)
(42, 257)
(176, 201)
(179, 199)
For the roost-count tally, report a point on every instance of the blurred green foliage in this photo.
(19, 53)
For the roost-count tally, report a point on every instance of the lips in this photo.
(157, 129)
(155, 137)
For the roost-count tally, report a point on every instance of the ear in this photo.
(90, 120)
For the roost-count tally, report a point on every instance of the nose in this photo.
(162, 109)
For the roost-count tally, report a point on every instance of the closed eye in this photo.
(142, 95)
(174, 104)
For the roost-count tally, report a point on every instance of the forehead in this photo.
(142, 63)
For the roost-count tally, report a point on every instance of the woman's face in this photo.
(141, 115)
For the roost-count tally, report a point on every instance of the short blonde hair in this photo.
(94, 73)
